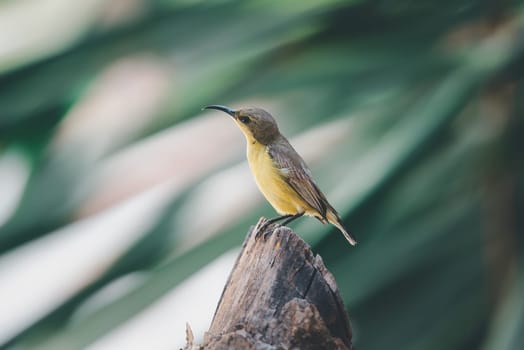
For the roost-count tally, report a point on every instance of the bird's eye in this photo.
(244, 120)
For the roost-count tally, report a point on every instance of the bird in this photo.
(280, 172)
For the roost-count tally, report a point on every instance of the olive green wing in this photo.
(297, 174)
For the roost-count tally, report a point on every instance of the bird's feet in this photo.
(262, 229)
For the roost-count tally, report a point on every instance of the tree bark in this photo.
(278, 296)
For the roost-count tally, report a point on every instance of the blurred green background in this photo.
(123, 205)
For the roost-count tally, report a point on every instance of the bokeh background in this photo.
(123, 205)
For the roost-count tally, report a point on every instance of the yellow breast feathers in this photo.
(272, 183)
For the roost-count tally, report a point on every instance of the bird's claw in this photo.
(263, 228)
(268, 233)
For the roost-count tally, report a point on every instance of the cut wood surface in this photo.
(278, 296)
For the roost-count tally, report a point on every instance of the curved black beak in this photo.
(221, 108)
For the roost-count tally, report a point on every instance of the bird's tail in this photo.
(335, 220)
(351, 239)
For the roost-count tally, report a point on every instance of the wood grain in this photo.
(279, 296)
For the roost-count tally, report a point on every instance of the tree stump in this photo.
(278, 296)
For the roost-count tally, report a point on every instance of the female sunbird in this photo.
(280, 173)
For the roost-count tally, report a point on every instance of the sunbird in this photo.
(280, 173)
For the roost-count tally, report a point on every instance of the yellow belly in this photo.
(271, 183)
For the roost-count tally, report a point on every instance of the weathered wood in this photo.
(279, 296)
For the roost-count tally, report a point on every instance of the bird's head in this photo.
(256, 124)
